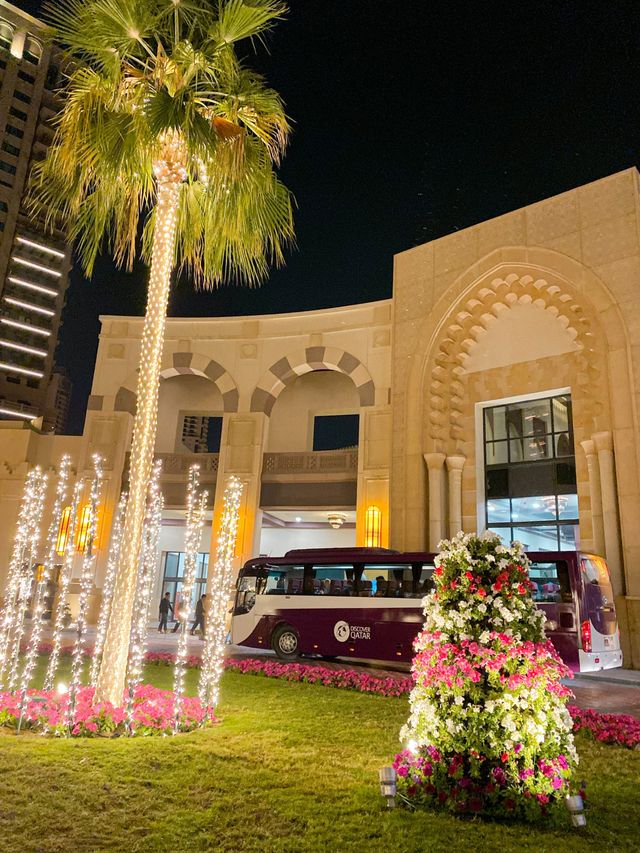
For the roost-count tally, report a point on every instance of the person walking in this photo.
(165, 607)
(200, 614)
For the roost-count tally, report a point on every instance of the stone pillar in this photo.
(435, 461)
(610, 519)
(455, 464)
(596, 495)
(241, 450)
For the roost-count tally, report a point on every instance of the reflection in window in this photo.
(530, 481)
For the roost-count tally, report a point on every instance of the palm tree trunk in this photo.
(113, 669)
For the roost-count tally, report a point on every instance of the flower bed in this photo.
(618, 729)
(153, 713)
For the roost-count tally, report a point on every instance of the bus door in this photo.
(552, 593)
(599, 626)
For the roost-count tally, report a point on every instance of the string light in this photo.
(64, 579)
(196, 505)
(169, 173)
(42, 587)
(30, 507)
(86, 584)
(26, 579)
(106, 600)
(146, 574)
(220, 587)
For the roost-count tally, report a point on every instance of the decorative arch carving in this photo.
(287, 369)
(183, 364)
(472, 316)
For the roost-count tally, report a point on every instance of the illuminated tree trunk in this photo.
(113, 670)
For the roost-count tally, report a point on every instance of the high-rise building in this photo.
(34, 263)
(57, 402)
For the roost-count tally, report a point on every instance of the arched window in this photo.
(32, 51)
(6, 35)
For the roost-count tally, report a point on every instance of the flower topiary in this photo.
(489, 731)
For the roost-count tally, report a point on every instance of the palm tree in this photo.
(163, 124)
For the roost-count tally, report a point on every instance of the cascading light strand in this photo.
(64, 579)
(220, 587)
(20, 546)
(86, 584)
(106, 601)
(25, 585)
(42, 587)
(146, 574)
(196, 504)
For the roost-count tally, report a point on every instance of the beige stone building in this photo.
(497, 388)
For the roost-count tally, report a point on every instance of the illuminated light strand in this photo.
(115, 546)
(20, 548)
(28, 306)
(146, 574)
(40, 246)
(220, 588)
(27, 416)
(38, 288)
(22, 348)
(38, 609)
(25, 263)
(26, 577)
(196, 505)
(4, 365)
(113, 671)
(25, 327)
(86, 583)
(64, 579)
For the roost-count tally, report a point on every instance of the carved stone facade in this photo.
(539, 302)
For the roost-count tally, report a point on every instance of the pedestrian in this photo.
(198, 622)
(165, 607)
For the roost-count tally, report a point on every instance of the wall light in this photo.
(336, 519)
(84, 529)
(373, 527)
(63, 530)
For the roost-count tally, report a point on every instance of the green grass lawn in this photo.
(292, 767)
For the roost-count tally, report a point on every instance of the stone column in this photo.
(596, 495)
(242, 444)
(610, 519)
(455, 464)
(435, 461)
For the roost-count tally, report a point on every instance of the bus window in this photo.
(551, 582)
(281, 580)
(333, 580)
(425, 582)
(596, 573)
(245, 595)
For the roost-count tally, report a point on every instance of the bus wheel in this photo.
(285, 642)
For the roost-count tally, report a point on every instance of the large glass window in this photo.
(174, 576)
(530, 474)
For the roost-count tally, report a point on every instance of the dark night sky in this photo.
(412, 119)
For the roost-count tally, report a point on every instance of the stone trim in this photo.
(183, 364)
(287, 369)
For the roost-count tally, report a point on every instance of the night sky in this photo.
(412, 119)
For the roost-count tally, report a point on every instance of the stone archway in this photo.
(179, 364)
(287, 369)
(471, 318)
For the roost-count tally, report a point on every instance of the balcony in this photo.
(311, 466)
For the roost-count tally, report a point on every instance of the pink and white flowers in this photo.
(489, 729)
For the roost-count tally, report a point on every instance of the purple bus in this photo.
(366, 603)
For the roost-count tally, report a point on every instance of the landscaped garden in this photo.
(291, 767)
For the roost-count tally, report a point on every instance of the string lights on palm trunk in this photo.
(106, 600)
(196, 506)
(113, 670)
(146, 573)
(220, 587)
